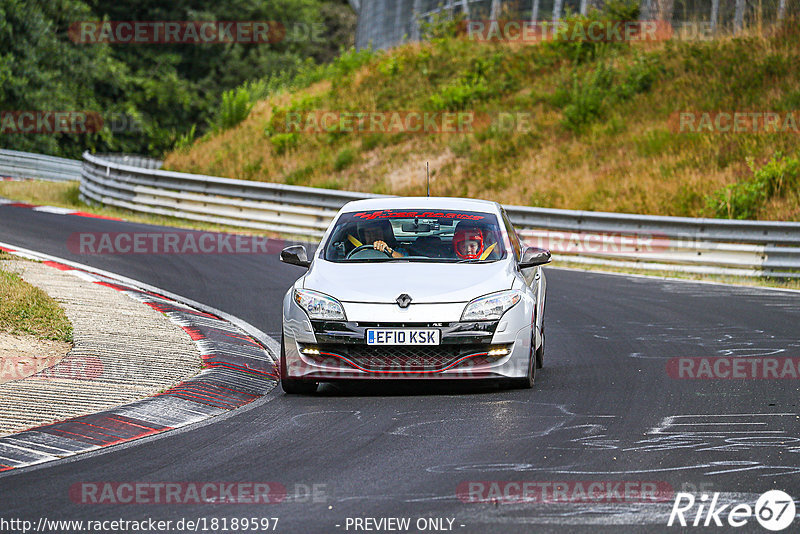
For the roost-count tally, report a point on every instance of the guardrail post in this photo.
(535, 11)
(738, 24)
(714, 15)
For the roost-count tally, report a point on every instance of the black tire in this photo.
(540, 353)
(526, 382)
(298, 387)
(290, 385)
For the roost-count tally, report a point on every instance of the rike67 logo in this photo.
(774, 510)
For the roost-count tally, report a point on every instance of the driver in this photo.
(378, 234)
(468, 242)
(472, 242)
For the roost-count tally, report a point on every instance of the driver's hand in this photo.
(382, 246)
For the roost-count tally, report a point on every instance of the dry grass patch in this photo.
(25, 309)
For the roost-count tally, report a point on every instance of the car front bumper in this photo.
(337, 350)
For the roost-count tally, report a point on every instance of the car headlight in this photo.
(491, 307)
(318, 305)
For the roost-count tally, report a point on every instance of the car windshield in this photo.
(416, 235)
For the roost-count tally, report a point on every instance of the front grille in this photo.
(396, 358)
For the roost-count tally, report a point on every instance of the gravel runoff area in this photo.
(123, 351)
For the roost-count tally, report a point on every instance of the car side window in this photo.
(512, 235)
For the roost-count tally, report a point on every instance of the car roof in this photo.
(440, 203)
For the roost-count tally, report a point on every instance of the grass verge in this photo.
(25, 309)
(589, 126)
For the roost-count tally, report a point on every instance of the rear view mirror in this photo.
(416, 228)
(533, 256)
(295, 255)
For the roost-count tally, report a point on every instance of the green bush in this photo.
(296, 176)
(470, 86)
(283, 142)
(621, 10)
(586, 100)
(372, 141)
(591, 94)
(234, 108)
(456, 96)
(744, 200)
(561, 43)
(639, 78)
(185, 141)
(349, 61)
(344, 159)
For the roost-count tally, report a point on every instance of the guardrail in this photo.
(279, 208)
(14, 164)
(714, 246)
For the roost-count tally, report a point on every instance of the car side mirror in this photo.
(295, 255)
(533, 256)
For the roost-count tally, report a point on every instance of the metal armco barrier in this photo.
(706, 246)
(305, 211)
(15, 164)
(713, 246)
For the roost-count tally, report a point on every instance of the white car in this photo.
(411, 288)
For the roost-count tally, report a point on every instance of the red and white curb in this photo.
(53, 209)
(239, 367)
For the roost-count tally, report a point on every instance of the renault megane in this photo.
(415, 287)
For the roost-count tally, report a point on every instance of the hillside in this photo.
(600, 130)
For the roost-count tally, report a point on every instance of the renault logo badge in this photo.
(403, 300)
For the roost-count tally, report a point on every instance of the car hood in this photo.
(423, 282)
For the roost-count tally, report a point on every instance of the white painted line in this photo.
(735, 414)
(690, 433)
(711, 424)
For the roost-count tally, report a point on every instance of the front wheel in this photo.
(291, 385)
(527, 381)
(540, 353)
(298, 387)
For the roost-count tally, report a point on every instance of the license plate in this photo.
(403, 336)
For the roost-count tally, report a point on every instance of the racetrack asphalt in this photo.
(604, 409)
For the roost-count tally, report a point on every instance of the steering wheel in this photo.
(366, 247)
